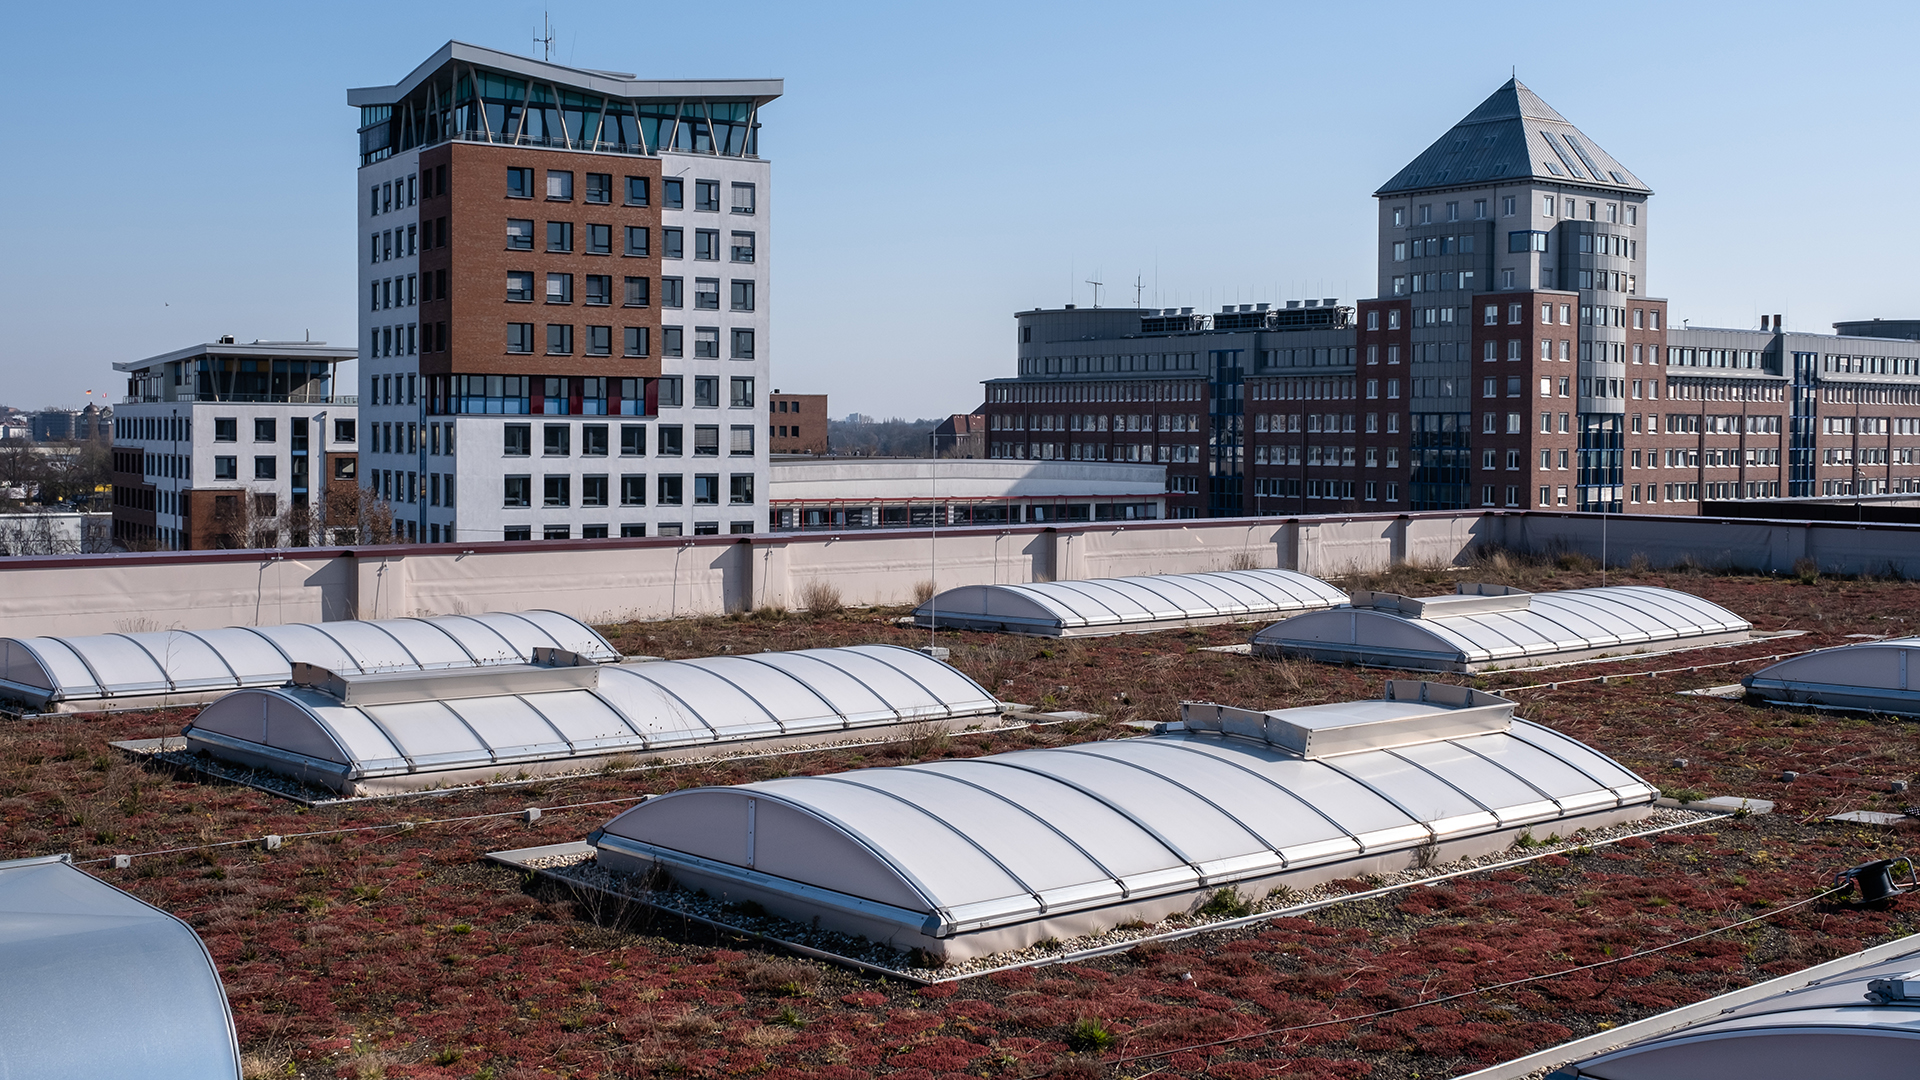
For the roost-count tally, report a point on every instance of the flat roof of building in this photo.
(612, 83)
(271, 350)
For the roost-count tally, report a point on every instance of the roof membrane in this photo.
(384, 732)
(1875, 676)
(1484, 627)
(99, 983)
(182, 666)
(1127, 605)
(947, 848)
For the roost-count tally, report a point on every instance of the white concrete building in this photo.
(231, 445)
(919, 492)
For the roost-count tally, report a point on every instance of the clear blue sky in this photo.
(179, 171)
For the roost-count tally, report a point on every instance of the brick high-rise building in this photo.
(1516, 249)
(563, 300)
(1511, 359)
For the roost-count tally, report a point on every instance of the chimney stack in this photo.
(1777, 324)
(1763, 321)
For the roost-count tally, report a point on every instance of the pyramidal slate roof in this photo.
(1513, 135)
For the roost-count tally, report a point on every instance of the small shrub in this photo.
(1089, 1035)
(1576, 561)
(922, 592)
(1683, 794)
(1243, 560)
(1806, 570)
(1227, 904)
(820, 597)
(787, 1017)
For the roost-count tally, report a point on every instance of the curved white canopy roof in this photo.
(1877, 676)
(105, 670)
(1484, 627)
(949, 847)
(414, 733)
(97, 983)
(1794, 1034)
(1127, 605)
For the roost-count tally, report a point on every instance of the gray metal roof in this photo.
(1875, 676)
(1790, 1035)
(611, 83)
(270, 350)
(397, 733)
(958, 846)
(94, 983)
(1514, 136)
(183, 666)
(1483, 627)
(1127, 605)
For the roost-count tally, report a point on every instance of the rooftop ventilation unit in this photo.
(454, 684)
(1411, 713)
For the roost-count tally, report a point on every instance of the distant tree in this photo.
(866, 437)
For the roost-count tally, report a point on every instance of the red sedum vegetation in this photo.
(402, 953)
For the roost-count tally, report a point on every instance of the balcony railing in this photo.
(246, 399)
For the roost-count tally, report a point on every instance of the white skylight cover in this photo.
(636, 708)
(1789, 1035)
(1876, 676)
(96, 983)
(53, 670)
(949, 847)
(1121, 605)
(1619, 618)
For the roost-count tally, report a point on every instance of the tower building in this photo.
(1512, 254)
(563, 294)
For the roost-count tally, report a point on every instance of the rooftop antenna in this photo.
(1138, 285)
(546, 28)
(1096, 290)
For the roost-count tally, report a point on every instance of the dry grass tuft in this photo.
(821, 598)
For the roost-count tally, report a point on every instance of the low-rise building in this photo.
(224, 445)
(878, 493)
(797, 423)
(55, 532)
(962, 435)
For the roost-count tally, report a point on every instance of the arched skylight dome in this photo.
(1875, 676)
(96, 983)
(972, 856)
(181, 667)
(368, 734)
(1483, 627)
(1863, 1018)
(1127, 605)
